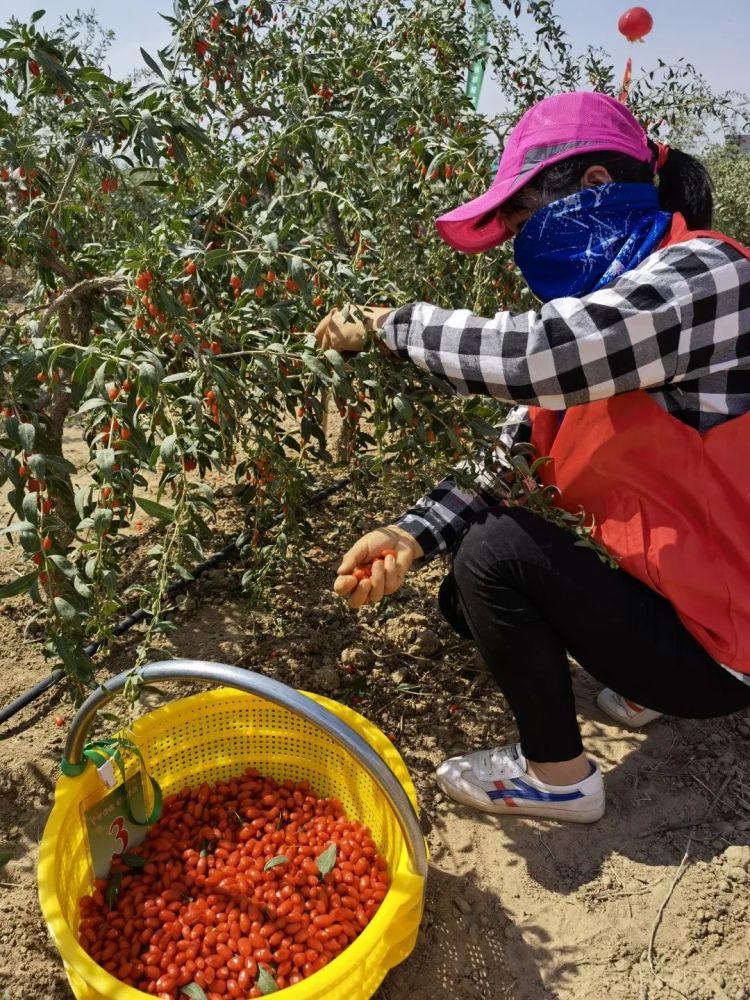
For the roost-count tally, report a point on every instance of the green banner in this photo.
(475, 76)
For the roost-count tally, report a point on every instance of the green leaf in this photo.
(177, 377)
(403, 407)
(265, 982)
(82, 497)
(102, 519)
(54, 69)
(29, 506)
(154, 509)
(272, 242)
(134, 860)
(65, 610)
(105, 459)
(150, 374)
(538, 463)
(19, 586)
(82, 588)
(109, 580)
(167, 448)
(326, 861)
(337, 362)
(180, 153)
(215, 257)
(92, 404)
(280, 859)
(311, 362)
(297, 271)
(113, 890)
(252, 274)
(100, 379)
(342, 386)
(17, 526)
(26, 435)
(150, 123)
(151, 63)
(76, 661)
(37, 463)
(65, 566)
(193, 991)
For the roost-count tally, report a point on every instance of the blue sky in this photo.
(714, 37)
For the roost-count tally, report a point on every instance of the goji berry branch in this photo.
(90, 286)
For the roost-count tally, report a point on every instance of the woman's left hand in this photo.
(337, 334)
(376, 565)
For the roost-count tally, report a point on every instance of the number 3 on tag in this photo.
(118, 831)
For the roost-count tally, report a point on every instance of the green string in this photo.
(99, 752)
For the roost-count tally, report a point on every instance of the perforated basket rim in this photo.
(403, 901)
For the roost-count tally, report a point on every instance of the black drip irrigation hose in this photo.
(176, 587)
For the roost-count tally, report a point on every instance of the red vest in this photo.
(671, 504)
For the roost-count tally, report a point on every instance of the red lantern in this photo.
(635, 24)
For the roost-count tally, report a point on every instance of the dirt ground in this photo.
(518, 909)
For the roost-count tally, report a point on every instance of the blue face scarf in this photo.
(583, 242)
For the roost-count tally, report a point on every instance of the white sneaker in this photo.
(624, 711)
(496, 781)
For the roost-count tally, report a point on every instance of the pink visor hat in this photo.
(554, 129)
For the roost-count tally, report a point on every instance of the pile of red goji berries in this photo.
(238, 886)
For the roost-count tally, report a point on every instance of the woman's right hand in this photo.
(348, 335)
(366, 576)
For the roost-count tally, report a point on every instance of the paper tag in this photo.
(107, 773)
(109, 827)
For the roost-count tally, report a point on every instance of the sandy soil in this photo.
(518, 909)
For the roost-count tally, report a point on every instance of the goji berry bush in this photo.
(180, 231)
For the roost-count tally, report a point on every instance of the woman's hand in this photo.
(376, 565)
(337, 334)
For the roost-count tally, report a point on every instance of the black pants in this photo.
(528, 596)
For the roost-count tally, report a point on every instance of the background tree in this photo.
(730, 170)
(180, 230)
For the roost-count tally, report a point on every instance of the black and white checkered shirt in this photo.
(678, 326)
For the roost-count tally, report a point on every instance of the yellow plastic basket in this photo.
(218, 734)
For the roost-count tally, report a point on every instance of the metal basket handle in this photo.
(279, 694)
